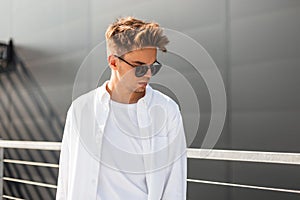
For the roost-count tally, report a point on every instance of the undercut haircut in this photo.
(128, 34)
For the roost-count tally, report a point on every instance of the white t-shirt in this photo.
(120, 131)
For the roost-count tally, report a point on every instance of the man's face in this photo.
(126, 73)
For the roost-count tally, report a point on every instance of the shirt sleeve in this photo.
(176, 183)
(62, 182)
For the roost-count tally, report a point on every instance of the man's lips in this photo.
(143, 83)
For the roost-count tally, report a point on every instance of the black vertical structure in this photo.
(26, 114)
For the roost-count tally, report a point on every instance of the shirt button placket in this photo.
(98, 138)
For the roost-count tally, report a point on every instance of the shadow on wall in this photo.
(26, 114)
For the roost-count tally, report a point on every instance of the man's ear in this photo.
(112, 61)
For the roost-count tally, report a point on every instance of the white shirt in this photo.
(121, 123)
(163, 144)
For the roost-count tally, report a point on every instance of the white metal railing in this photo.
(245, 156)
(213, 154)
(4, 144)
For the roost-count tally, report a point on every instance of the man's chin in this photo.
(139, 90)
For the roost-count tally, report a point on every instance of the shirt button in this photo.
(101, 128)
(94, 181)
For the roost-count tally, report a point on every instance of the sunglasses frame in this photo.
(142, 66)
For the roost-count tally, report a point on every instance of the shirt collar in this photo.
(103, 94)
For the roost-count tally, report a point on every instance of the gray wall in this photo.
(255, 45)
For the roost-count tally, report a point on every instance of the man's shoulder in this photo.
(85, 99)
(84, 103)
(82, 108)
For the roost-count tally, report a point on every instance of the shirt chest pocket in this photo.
(160, 141)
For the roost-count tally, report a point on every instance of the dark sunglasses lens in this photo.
(155, 68)
(141, 71)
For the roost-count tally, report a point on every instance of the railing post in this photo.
(1, 171)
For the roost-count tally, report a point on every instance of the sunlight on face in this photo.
(145, 56)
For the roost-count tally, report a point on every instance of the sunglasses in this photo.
(141, 70)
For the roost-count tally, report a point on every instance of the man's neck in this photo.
(121, 95)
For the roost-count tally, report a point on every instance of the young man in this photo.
(125, 140)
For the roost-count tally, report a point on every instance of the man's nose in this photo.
(148, 73)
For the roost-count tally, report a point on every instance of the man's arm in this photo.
(62, 182)
(176, 184)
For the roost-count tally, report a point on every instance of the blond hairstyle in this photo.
(128, 34)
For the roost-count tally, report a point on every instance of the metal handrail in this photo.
(211, 154)
(192, 153)
(38, 145)
(245, 156)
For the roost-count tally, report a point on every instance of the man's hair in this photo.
(128, 34)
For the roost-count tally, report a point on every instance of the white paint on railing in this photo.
(10, 197)
(53, 146)
(30, 182)
(245, 156)
(22, 162)
(245, 186)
